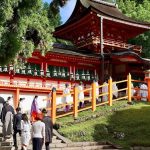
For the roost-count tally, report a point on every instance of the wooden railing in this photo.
(91, 98)
(108, 42)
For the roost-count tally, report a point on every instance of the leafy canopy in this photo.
(26, 25)
(139, 10)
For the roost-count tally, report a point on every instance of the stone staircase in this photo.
(60, 143)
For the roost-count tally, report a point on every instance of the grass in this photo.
(131, 120)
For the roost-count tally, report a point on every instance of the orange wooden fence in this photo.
(91, 98)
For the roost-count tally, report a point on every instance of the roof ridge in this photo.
(104, 2)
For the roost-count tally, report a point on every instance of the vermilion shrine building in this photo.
(100, 34)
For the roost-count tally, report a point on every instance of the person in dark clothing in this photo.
(2, 102)
(48, 129)
(17, 125)
(7, 118)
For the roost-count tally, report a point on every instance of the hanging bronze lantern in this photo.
(29, 71)
(63, 73)
(54, 72)
(5, 69)
(83, 75)
(77, 75)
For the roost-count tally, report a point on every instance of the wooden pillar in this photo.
(148, 84)
(110, 91)
(42, 66)
(74, 72)
(129, 87)
(93, 96)
(70, 71)
(16, 98)
(53, 105)
(75, 102)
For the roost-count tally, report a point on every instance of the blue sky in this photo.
(66, 11)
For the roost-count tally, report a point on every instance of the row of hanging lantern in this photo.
(85, 75)
(56, 72)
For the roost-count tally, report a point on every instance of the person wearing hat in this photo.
(7, 118)
(48, 129)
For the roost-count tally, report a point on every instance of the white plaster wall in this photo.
(28, 100)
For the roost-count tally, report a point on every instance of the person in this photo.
(20, 105)
(81, 95)
(7, 118)
(97, 90)
(38, 133)
(143, 92)
(17, 125)
(48, 103)
(34, 108)
(48, 128)
(25, 132)
(115, 88)
(105, 90)
(67, 97)
(2, 102)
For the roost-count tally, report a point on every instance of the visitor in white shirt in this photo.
(38, 134)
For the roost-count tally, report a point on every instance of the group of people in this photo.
(39, 130)
(67, 95)
(68, 99)
(140, 92)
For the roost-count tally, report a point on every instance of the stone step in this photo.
(54, 137)
(96, 147)
(56, 141)
(1, 139)
(78, 144)
(59, 145)
(5, 143)
(6, 148)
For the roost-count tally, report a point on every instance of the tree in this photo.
(138, 10)
(26, 25)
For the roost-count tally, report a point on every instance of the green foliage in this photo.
(25, 26)
(138, 10)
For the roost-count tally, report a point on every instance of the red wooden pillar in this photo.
(147, 79)
(148, 83)
(70, 71)
(42, 66)
(16, 98)
(74, 72)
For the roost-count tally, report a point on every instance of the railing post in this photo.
(129, 87)
(53, 112)
(16, 98)
(110, 91)
(75, 102)
(93, 96)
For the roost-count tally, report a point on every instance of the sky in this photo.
(66, 11)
